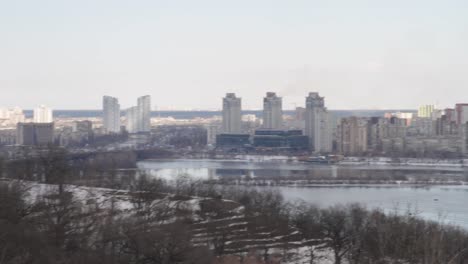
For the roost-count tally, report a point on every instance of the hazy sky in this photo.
(188, 54)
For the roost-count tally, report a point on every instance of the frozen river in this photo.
(440, 203)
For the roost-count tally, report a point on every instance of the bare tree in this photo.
(55, 166)
(334, 222)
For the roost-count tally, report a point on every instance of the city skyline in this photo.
(291, 107)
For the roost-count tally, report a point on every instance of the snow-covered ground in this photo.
(121, 201)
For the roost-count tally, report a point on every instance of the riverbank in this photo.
(378, 161)
(404, 162)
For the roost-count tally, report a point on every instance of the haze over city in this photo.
(358, 54)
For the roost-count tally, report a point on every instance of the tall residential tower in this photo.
(231, 114)
(139, 117)
(43, 114)
(318, 124)
(144, 113)
(272, 111)
(111, 114)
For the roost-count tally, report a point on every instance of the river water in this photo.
(446, 203)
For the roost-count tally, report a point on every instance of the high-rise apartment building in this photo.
(461, 112)
(318, 124)
(138, 118)
(131, 116)
(425, 111)
(35, 134)
(111, 114)
(231, 113)
(144, 113)
(43, 114)
(353, 135)
(272, 111)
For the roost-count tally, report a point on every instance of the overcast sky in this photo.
(188, 54)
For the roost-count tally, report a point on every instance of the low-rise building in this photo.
(84, 126)
(286, 139)
(393, 146)
(7, 137)
(229, 140)
(212, 131)
(35, 134)
(422, 126)
(436, 146)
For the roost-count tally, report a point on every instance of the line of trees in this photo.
(358, 235)
(58, 227)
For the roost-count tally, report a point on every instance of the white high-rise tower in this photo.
(111, 114)
(43, 114)
(131, 115)
(231, 113)
(272, 111)
(144, 113)
(139, 117)
(318, 124)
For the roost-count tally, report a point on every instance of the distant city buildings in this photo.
(7, 137)
(111, 114)
(425, 111)
(231, 114)
(43, 114)
(299, 114)
(461, 112)
(295, 121)
(84, 126)
(352, 136)
(421, 126)
(10, 117)
(272, 111)
(211, 132)
(250, 123)
(431, 133)
(438, 136)
(249, 118)
(138, 118)
(79, 134)
(318, 124)
(408, 117)
(446, 124)
(35, 134)
(4, 113)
